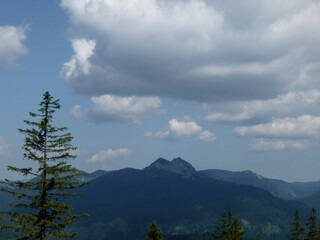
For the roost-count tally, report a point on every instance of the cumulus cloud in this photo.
(206, 136)
(291, 104)
(196, 49)
(280, 144)
(103, 156)
(79, 63)
(4, 147)
(11, 44)
(301, 127)
(77, 113)
(249, 63)
(108, 108)
(183, 129)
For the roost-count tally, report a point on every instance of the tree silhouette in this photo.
(297, 230)
(40, 212)
(228, 228)
(154, 233)
(313, 232)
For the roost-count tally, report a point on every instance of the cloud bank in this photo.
(200, 50)
(110, 108)
(301, 127)
(11, 45)
(290, 104)
(280, 144)
(247, 63)
(286, 133)
(109, 154)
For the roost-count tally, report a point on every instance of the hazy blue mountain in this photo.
(305, 189)
(278, 188)
(96, 174)
(123, 203)
(312, 200)
(185, 203)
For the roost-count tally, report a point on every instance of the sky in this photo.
(229, 85)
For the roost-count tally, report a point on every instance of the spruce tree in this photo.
(235, 231)
(313, 232)
(297, 230)
(154, 233)
(221, 228)
(228, 229)
(41, 212)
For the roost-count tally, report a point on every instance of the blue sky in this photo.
(225, 85)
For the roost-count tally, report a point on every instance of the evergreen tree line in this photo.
(310, 231)
(229, 228)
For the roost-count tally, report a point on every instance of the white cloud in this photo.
(280, 144)
(122, 109)
(11, 46)
(79, 63)
(207, 136)
(302, 127)
(77, 113)
(4, 147)
(183, 129)
(103, 156)
(148, 134)
(255, 68)
(194, 49)
(247, 62)
(303, 22)
(290, 104)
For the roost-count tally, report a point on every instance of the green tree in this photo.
(258, 238)
(154, 233)
(41, 212)
(313, 232)
(221, 228)
(228, 229)
(297, 230)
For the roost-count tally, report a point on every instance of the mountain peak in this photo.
(248, 172)
(177, 165)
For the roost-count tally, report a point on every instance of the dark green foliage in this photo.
(258, 238)
(228, 229)
(297, 230)
(154, 233)
(313, 232)
(221, 228)
(39, 213)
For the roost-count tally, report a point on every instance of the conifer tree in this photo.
(313, 232)
(40, 212)
(154, 233)
(297, 230)
(221, 228)
(235, 231)
(228, 229)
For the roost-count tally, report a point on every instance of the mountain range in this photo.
(185, 203)
(279, 188)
